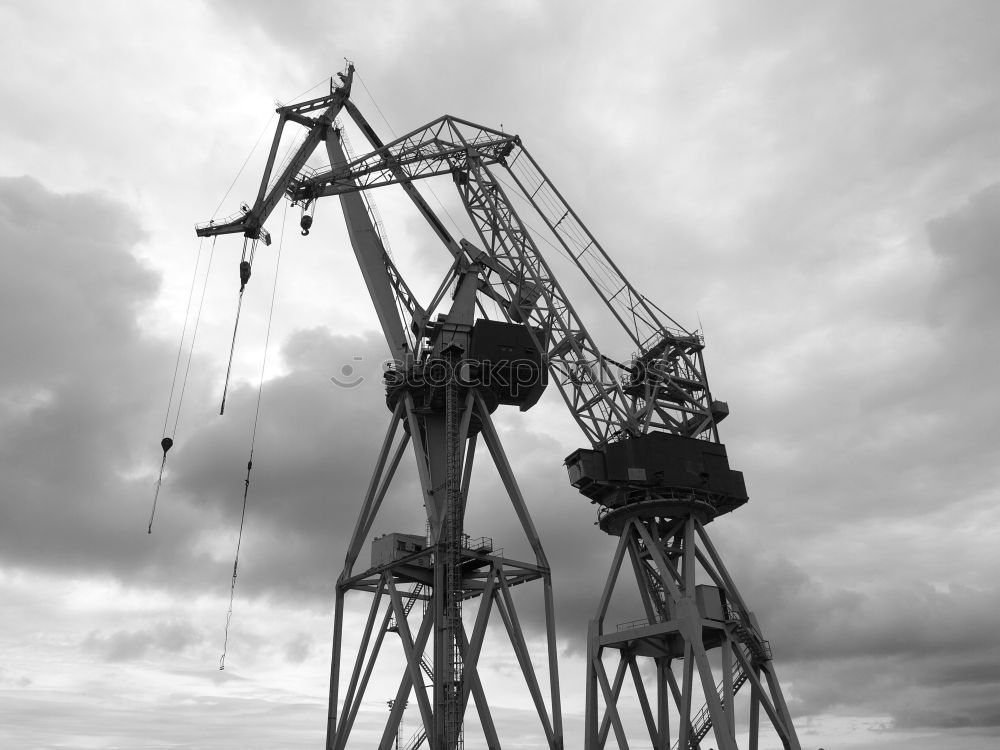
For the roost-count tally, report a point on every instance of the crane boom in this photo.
(663, 388)
(372, 260)
(251, 221)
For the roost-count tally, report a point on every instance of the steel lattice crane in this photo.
(655, 466)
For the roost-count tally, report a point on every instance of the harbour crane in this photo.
(654, 465)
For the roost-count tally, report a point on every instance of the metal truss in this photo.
(440, 147)
(484, 575)
(660, 386)
(694, 616)
(667, 388)
(251, 220)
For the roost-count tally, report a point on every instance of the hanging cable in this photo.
(391, 130)
(253, 440)
(245, 269)
(167, 442)
(236, 562)
(375, 104)
(267, 125)
(316, 85)
(194, 336)
(180, 344)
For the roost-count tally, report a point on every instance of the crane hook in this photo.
(308, 209)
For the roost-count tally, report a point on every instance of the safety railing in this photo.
(232, 219)
(479, 544)
(416, 739)
(642, 622)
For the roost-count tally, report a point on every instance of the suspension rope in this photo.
(391, 130)
(180, 344)
(236, 562)
(253, 440)
(167, 442)
(194, 335)
(316, 85)
(245, 269)
(375, 104)
(267, 125)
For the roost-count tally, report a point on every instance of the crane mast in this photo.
(654, 465)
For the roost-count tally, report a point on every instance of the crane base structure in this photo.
(409, 573)
(657, 494)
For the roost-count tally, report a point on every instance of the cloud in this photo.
(964, 242)
(80, 400)
(314, 449)
(72, 389)
(817, 184)
(167, 637)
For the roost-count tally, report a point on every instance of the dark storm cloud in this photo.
(315, 448)
(875, 428)
(74, 377)
(983, 714)
(126, 645)
(965, 242)
(84, 396)
(905, 692)
(81, 394)
(809, 620)
(69, 288)
(972, 671)
(298, 649)
(874, 645)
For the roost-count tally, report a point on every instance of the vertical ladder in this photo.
(453, 571)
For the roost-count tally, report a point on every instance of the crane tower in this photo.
(654, 467)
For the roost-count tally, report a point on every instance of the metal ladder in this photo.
(756, 650)
(411, 599)
(452, 677)
(418, 737)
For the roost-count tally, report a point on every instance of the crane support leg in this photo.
(694, 614)
(446, 572)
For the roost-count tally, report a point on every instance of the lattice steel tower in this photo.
(655, 466)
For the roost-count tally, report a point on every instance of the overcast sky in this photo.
(815, 186)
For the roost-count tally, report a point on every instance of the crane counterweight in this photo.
(654, 466)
